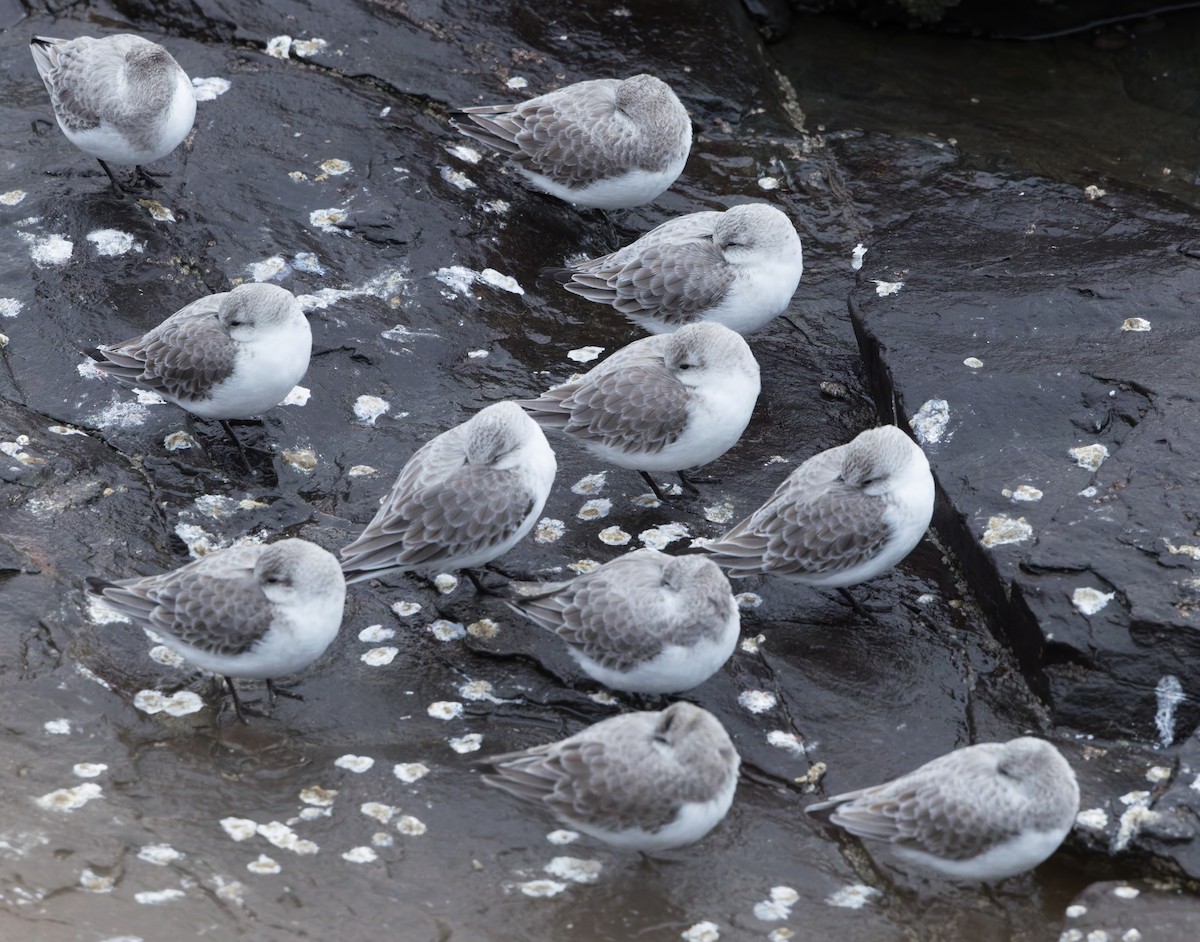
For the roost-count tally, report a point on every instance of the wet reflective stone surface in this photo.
(132, 802)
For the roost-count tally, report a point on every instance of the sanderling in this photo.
(739, 268)
(984, 812)
(842, 517)
(663, 403)
(638, 781)
(225, 356)
(260, 611)
(465, 498)
(121, 98)
(645, 622)
(607, 143)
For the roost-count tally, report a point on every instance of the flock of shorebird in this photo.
(645, 622)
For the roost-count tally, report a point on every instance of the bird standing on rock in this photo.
(257, 610)
(663, 403)
(984, 812)
(739, 268)
(122, 99)
(605, 143)
(463, 499)
(644, 623)
(843, 517)
(226, 356)
(638, 781)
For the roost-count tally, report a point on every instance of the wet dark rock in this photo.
(1131, 911)
(1018, 19)
(1173, 831)
(393, 257)
(772, 18)
(1089, 575)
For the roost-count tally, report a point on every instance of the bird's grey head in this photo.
(703, 352)
(698, 741)
(755, 232)
(877, 458)
(496, 435)
(1039, 772)
(701, 587)
(148, 64)
(293, 571)
(663, 122)
(250, 310)
(645, 96)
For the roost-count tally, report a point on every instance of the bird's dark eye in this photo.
(685, 366)
(236, 323)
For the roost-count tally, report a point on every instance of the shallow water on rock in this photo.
(335, 173)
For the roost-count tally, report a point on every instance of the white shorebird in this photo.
(984, 812)
(663, 403)
(645, 622)
(638, 781)
(258, 611)
(739, 268)
(464, 498)
(225, 356)
(607, 143)
(122, 99)
(843, 517)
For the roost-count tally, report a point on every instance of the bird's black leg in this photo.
(237, 701)
(237, 442)
(853, 602)
(142, 175)
(686, 483)
(118, 188)
(654, 487)
(480, 586)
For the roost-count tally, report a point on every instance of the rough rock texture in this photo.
(1059, 335)
(1129, 912)
(332, 170)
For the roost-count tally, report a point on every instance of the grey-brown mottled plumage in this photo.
(842, 517)
(739, 268)
(663, 403)
(255, 610)
(231, 355)
(463, 499)
(645, 622)
(607, 143)
(979, 813)
(645, 781)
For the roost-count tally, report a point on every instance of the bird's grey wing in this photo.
(638, 408)
(214, 604)
(813, 523)
(674, 271)
(945, 808)
(67, 72)
(604, 613)
(545, 135)
(84, 78)
(674, 282)
(588, 781)
(428, 522)
(183, 357)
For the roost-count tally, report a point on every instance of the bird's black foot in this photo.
(659, 493)
(274, 691)
(241, 709)
(117, 186)
(482, 587)
(142, 176)
(688, 484)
